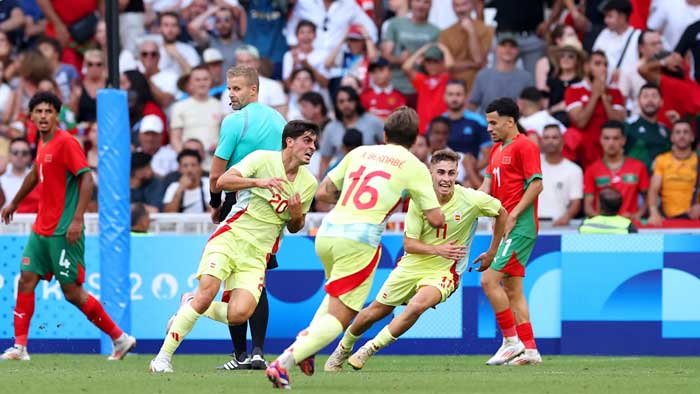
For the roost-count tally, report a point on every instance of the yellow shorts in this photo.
(401, 285)
(350, 267)
(237, 263)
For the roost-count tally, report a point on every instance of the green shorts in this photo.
(54, 256)
(513, 255)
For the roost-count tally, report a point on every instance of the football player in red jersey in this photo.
(56, 244)
(514, 177)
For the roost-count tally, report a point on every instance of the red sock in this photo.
(97, 316)
(23, 316)
(526, 335)
(506, 321)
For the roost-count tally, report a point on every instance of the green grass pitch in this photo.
(46, 374)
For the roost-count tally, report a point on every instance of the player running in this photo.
(514, 177)
(275, 190)
(56, 245)
(430, 270)
(367, 186)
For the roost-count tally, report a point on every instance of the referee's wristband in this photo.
(214, 199)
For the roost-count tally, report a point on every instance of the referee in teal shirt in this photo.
(253, 126)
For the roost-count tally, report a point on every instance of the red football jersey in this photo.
(578, 95)
(59, 161)
(431, 97)
(512, 166)
(630, 180)
(381, 102)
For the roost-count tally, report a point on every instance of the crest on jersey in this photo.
(458, 216)
(505, 160)
(25, 260)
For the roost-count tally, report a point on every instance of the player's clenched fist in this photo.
(451, 251)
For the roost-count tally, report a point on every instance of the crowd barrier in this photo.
(588, 294)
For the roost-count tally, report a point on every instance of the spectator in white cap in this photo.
(270, 93)
(164, 157)
(198, 116)
(225, 34)
(214, 61)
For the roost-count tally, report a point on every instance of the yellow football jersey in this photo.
(260, 215)
(461, 214)
(373, 180)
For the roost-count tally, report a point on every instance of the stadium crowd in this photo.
(608, 89)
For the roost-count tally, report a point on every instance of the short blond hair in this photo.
(249, 74)
(446, 154)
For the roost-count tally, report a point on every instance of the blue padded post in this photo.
(114, 162)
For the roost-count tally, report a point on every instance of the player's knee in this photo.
(415, 309)
(72, 296)
(27, 282)
(238, 317)
(512, 293)
(488, 283)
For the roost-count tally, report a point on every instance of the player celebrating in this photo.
(367, 186)
(274, 189)
(253, 126)
(514, 177)
(430, 270)
(56, 244)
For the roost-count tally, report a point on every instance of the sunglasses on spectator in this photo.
(96, 64)
(20, 153)
(149, 54)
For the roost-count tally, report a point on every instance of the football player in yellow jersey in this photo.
(275, 190)
(430, 270)
(366, 187)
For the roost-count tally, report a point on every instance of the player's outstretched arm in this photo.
(499, 228)
(87, 186)
(327, 192)
(448, 250)
(28, 185)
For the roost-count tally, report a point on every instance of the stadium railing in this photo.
(183, 223)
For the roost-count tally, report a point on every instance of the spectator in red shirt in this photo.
(680, 93)
(380, 98)
(627, 175)
(430, 86)
(590, 103)
(61, 15)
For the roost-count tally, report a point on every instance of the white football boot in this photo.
(508, 351)
(160, 365)
(121, 346)
(15, 353)
(358, 360)
(337, 359)
(528, 357)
